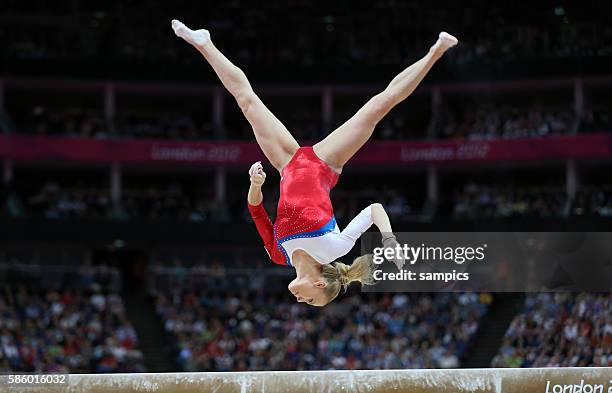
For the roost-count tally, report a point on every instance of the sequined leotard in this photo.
(305, 217)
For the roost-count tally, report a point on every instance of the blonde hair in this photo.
(340, 276)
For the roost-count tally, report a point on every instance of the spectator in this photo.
(231, 330)
(61, 331)
(559, 330)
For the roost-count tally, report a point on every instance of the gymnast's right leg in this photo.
(340, 145)
(272, 136)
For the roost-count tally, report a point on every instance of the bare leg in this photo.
(339, 146)
(274, 139)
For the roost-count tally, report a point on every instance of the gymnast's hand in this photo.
(390, 241)
(257, 174)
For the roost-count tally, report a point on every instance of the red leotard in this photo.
(304, 208)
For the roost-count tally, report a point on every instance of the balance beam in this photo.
(535, 380)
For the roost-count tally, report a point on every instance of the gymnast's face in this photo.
(309, 290)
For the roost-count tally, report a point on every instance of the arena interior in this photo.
(126, 245)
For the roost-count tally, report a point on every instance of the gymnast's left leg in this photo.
(275, 140)
(339, 146)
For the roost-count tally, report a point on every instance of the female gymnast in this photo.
(305, 234)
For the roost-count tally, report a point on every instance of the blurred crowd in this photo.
(593, 201)
(478, 200)
(61, 331)
(218, 330)
(305, 34)
(560, 330)
(90, 123)
(171, 202)
(491, 200)
(77, 274)
(485, 121)
(174, 202)
(597, 119)
(218, 316)
(506, 122)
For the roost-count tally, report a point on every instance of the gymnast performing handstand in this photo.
(305, 234)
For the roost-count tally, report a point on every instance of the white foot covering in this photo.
(197, 37)
(446, 41)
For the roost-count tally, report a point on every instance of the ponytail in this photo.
(340, 276)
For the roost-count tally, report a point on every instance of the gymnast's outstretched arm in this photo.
(272, 136)
(373, 214)
(260, 216)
